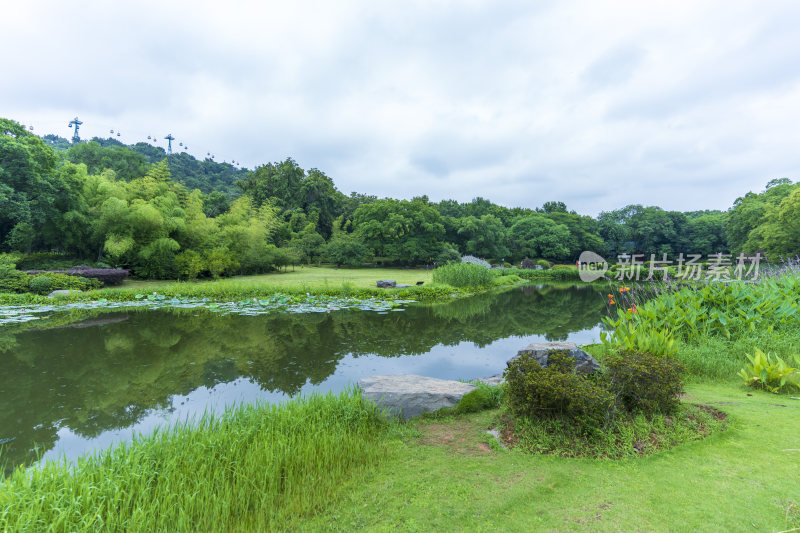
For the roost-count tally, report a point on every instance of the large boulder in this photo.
(584, 362)
(386, 283)
(62, 292)
(408, 395)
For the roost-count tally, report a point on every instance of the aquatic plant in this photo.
(255, 467)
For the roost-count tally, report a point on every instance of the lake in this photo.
(77, 384)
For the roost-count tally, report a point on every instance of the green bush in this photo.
(14, 281)
(40, 284)
(770, 373)
(557, 391)
(544, 263)
(18, 282)
(643, 382)
(480, 399)
(53, 261)
(449, 254)
(463, 275)
(552, 274)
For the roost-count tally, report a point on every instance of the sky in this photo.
(684, 105)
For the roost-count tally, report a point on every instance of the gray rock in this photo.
(61, 292)
(402, 286)
(408, 395)
(583, 361)
(494, 381)
(386, 283)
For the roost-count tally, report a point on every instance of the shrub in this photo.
(107, 276)
(448, 255)
(557, 391)
(40, 284)
(475, 261)
(544, 263)
(463, 275)
(480, 399)
(770, 373)
(645, 382)
(527, 263)
(565, 267)
(14, 281)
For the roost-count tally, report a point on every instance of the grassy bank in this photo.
(354, 283)
(253, 468)
(450, 478)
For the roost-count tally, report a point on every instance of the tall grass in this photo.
(254, 467)
(463, 275)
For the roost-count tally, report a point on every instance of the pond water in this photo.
(75, 384)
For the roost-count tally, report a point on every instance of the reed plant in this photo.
(254, 467)
(463, 275)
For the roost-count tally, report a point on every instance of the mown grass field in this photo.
(312, 277)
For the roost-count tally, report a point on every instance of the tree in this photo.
(538, 236)
(29, 185)
(345, 249)
(401, 231)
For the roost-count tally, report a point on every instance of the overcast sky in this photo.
(685, 105)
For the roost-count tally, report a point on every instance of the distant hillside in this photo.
(132, 161)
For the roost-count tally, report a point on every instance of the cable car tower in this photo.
(77, 123)
(169, 139)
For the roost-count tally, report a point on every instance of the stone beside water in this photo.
(61, 292)
(584, 362)
(386, 283)
(409, 395)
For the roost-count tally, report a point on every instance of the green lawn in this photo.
(307, 276)
(744, 479)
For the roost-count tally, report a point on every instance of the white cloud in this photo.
(686, 106)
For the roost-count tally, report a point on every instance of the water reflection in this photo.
(77, 380)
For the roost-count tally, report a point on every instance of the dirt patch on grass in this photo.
(460, 436)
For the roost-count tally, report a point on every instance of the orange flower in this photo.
(624, 289)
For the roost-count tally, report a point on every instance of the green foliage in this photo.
(448, 254)
(645, 382)
(463, 275)
(51, 261)
(402, 231)
(631, 335)
(539, 236)
(695, 312)
(557, 391)
(251, 468)
(554, 274)
(625, 436)
(480, 399)
(41, 284)
(544, 263)
(771, 373)
(345, 249)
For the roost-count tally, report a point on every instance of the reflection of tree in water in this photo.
(93, 379)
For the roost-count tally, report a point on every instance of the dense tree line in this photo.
(169, 216)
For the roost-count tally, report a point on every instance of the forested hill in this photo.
(131, 161)
(174, 216)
